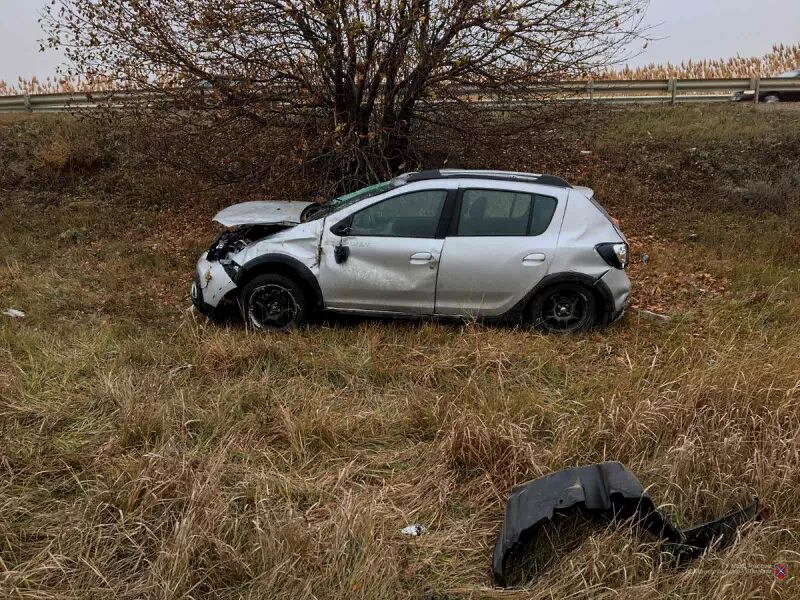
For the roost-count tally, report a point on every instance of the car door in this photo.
(385, 257)
(500, 245)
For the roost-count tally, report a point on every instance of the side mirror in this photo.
(341, 254)
(342, 228)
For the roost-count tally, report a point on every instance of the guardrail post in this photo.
(672, 86)
(755, 84)
(590, 89)
(27, 100)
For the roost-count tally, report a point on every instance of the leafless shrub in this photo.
(780, 196)
(354, 78)
(70, 149)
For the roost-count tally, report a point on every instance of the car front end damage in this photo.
(212, 284)
(245, 224)
(254, 231)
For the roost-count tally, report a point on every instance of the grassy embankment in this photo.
(146, 453)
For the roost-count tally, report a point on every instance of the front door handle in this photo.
(421, 258)
(534, 259)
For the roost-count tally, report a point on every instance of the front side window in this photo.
(504, 213)
(415, 214)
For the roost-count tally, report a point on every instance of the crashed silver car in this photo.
(491, 245)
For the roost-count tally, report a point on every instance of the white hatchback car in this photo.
(452, 243)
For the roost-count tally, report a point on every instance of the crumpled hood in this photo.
(261, 212)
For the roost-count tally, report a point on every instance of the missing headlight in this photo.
(234, 240)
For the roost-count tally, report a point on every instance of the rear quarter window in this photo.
(543, 209)
(504, 213)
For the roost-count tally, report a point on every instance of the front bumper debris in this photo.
(196, 292)
(213, 282)
(608, 490)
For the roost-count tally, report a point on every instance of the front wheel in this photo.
(273, 303)
(563, 308)
(772, 98)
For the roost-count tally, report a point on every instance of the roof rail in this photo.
(487, 174)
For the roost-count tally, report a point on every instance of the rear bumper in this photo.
(617, 290)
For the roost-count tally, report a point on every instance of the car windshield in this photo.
(790, 74)
(340, 202)
(367, 192)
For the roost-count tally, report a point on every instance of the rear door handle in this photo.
(421, 258)
(534, 259)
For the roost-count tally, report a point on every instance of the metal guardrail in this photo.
(670, 91)
(64, 102)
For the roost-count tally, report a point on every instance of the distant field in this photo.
(146, 453)
(780, 59)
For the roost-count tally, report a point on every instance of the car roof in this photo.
(519, 176)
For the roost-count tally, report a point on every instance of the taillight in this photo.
(614, 253)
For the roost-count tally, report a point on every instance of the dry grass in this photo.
(55, 85)
(147, 453)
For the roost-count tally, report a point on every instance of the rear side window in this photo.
(504, 213)
(415, 214)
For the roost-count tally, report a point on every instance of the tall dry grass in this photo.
(146, 453)
(55, 85)
(782, 58)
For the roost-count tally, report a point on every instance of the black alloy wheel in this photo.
(564, 308)
(273, 303)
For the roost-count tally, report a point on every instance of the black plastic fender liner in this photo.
(720, 532)
(612, 491)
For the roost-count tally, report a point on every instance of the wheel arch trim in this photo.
(595, 284)
(282, 265)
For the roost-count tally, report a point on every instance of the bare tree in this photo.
(357, 73)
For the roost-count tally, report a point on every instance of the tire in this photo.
(771, 98)
(563, 308)
(273, 303)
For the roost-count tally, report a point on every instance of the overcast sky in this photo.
(693, 29)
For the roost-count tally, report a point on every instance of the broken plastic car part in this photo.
(609, 490)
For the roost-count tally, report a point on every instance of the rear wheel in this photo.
(772, 98)
(273, 303)
(563, 308)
